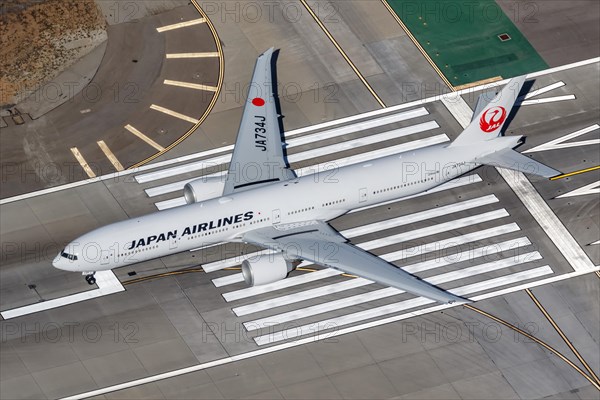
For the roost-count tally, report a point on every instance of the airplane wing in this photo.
(317, 242)
(258, 153)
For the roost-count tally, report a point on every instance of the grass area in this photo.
(462, 38)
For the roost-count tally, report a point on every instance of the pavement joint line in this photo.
(532, 200)
(143, 166)
(562, 335)
(173, 113)
(110, 155)
(316, 338)
(343, 53)
(190, 85)
(181, 25)
(145, 138)
(193, 55)
(592, 188)
(580, 171)
(559, 143)
(86, 167)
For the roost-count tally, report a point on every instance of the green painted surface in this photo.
(461, 37)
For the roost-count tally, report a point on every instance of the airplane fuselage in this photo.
(323, 196)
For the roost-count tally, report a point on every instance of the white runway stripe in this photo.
(417, 233)
(351, 283)
(387, 292)
(471, 254)
(399, 221)
(326, 325)
(323, 167)
(401, 254)
(435, 229)
(285, 283)
(359, 282)
(543, 90)
(547, 100)
(394, 256)
(290, 143)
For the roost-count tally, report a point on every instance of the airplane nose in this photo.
(61, 263)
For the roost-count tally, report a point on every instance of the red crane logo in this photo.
(492, 118)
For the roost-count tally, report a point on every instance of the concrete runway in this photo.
(355, 342)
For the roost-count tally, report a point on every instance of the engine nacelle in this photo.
(203, 189)
(267, 268)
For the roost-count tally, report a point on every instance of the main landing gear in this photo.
(89, 278)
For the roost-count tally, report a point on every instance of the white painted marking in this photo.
(394, 256)
(319, 328)
(190, 85)
(285, 283)
(592, 188)
(559, 143)
(181, 25)
(532, 200)
(85, 110)
(173, 113)
(547, 100)
(86, 167)
(110, 155)
(387, 292)
(145, 138)
(435, 229)
(596, 242)
(483, 251)
(542, 90)
(401, 254)
(106, 281)
(193, 55)
(292, 298)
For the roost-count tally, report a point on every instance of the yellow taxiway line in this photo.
(174, 114)
(338, 47)
(86, 167)
(581, 171)
(193, 55)
(562, 335)
(181, 25)
(110, 155)
(538, 341)
(416, 43)
(191, 85)
(144, 137)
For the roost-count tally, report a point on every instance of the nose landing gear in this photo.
(89, 278)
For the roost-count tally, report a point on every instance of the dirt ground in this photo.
(39, 39)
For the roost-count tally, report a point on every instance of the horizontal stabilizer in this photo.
(511, 159)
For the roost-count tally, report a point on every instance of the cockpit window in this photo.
(71, 257)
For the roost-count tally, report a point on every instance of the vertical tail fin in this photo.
(487, 124)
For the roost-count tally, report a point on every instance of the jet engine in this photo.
(203, 189)
(267, 268)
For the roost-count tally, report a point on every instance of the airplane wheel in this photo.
(90, 279)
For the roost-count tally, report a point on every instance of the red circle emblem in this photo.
(492, 118)
(258, 102)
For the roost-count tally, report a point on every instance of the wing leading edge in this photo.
(317, 242)
(258, 153)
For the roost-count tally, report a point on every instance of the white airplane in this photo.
(263, 202)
